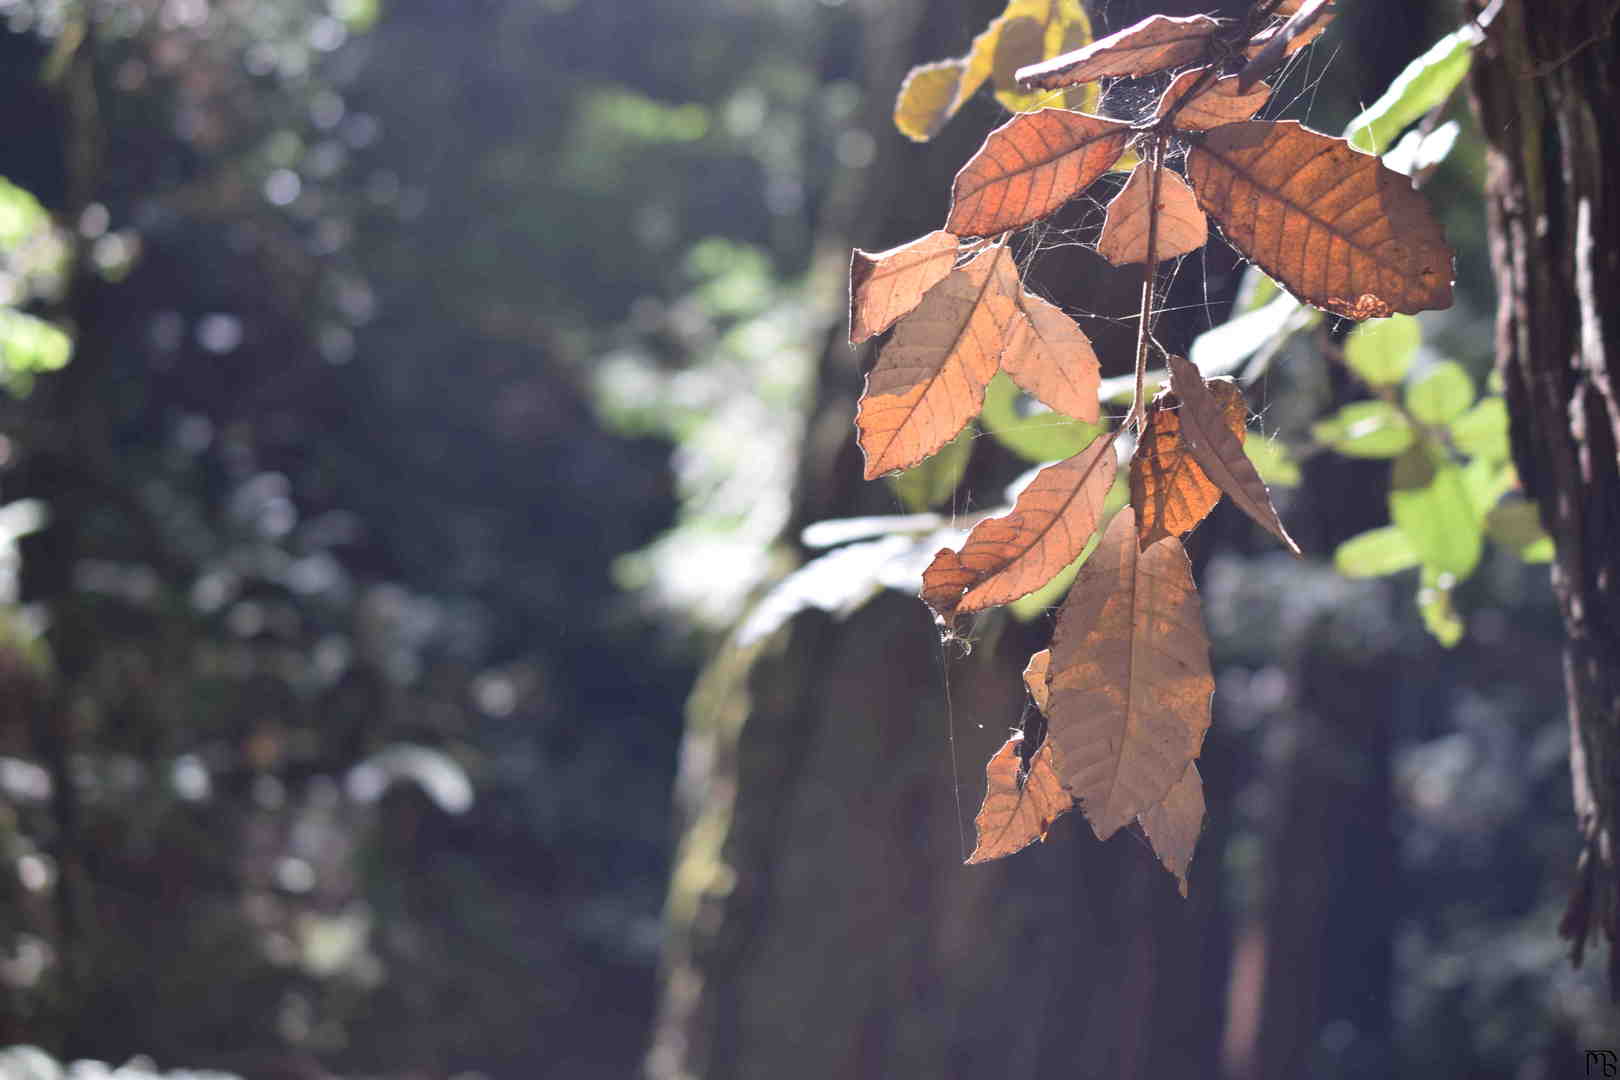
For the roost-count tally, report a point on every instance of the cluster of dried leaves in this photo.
(1124, 691)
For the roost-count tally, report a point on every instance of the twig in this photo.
(1138, 412)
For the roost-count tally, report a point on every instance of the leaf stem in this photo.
(1138, 413)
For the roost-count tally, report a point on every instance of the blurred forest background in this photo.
(446, 379)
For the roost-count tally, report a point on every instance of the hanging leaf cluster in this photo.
(1124, 691)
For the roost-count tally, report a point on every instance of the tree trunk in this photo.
(1545, 89)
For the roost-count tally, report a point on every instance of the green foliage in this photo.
(33, 257)
(1441, 394)
(934, 481)
(1365, 429)
(1028, 428)
(1381, 351)
(1425, 84)
(1376, 552)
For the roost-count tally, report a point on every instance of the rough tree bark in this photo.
(1545, 87)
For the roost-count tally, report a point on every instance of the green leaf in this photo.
(1486, 482)
(1482, 432)
(1381, 351)
(1375, 553)
(1366, 429)
(934, 480)
(1271, 460)
(1434, 604)
(1427, 82)
(28, 346)
(21, 215)
(1008, 414)
(1440, 394)
(1431, 504)
(1516, 525)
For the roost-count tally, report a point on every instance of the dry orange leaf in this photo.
(1155, 43)
(885, 285)
(1173, 826)
(1271, 48)
(1051, 359)
(1330, 223)
(1130, 680)
(1170, 492)
(1030, 166)
(1035, 677)
(1008, 557)
(1182, 226)
(1209, 438)
(1014, 815)
(1221, 102)
(929, 379)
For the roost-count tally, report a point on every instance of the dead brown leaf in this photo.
(1130, 680)
(1219, 452)
(929, 379)
(1051, 359)
(1182, 226)
(1172, 827)
(1267, 50)
(1030, 166)
(1332, 224)
(1221, 102)
(1155, 43)
(1008, 557)
(1170, 492)
(1015, 815)
(1035, 677)
(885, 285)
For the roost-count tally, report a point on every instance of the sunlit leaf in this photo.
(1169, 490)
(1381, 351)
(1220, 102)
(1269, 49)
(1051, 359)
(1434, 605)
(1375, 553)
(1515, 523)
(1430, 503)
(1130, 679)
(1482, 431)
(1425, 83)
(931, 95)
(1172, 827)
(1365, 429)
(1008, 557)
(1155, 43)
(1035, 677)
(1030, 166)
(1330, 223)
(1272, 461)
(885, 285)
(929, 379)
(1218, 450)
(1015, 815)
(1181, 226)
(1441, 394)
